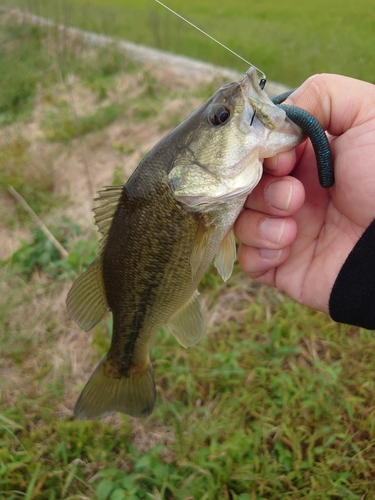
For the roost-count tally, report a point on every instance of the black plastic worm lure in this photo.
(312, 128)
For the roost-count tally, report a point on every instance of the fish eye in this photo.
(218, 115)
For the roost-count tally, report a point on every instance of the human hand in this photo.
(295, 234)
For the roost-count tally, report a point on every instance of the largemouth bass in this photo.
(162, 229)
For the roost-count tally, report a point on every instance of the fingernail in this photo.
(270, 254)
(279, 193)
(272, 228)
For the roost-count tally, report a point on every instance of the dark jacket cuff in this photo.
(352, 299)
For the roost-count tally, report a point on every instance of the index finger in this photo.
(280, 164)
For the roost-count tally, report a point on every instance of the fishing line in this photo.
(214, 39)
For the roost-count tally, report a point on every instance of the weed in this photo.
(40, 253)
(118, 175)
(125, 150)
(29, 173)
(20, 54)
(42, 256)
(45, 55)
(63, 125)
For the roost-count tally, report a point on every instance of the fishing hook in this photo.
(252, 119)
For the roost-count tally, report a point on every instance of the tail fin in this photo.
(104, 395)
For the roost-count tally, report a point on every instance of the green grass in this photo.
(275, 402)
(261, 408)
(40, 254)
(62, 125)
(288, 40)
(43, 56)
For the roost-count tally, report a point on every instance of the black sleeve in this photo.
(352, 299)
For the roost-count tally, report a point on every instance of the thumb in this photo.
(338, 102)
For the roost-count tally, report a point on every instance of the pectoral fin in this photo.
(226, 256)
(86, 301)
(187, 324)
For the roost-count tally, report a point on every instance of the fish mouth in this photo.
(258, 104)
(263, 119)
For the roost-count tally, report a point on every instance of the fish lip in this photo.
(258, 104)
(249, 84)
(250, 78)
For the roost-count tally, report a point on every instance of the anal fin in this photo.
(187, 324)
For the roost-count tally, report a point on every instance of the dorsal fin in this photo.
(109, 197)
